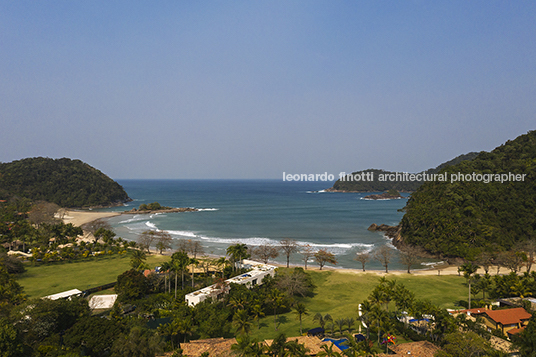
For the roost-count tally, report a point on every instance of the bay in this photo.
(258, 212)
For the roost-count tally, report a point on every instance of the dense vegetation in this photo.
(468, 218)
(66, 182)
(379, 186)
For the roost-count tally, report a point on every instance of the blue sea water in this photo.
(255, 212)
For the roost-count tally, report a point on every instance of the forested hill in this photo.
(466, 218)
(379, 186)
(66, 182)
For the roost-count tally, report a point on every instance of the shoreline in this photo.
(79, 218)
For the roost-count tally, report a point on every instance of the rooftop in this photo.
(508, 316)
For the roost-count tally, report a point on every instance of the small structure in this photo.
(64, 295)
(102, 301)
(216, 291)
(317, 331)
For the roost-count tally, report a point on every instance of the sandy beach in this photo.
(79, 218)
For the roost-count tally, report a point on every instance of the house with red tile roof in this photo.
(508, 321)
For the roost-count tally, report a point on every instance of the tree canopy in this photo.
(65, 182)
(464, 218)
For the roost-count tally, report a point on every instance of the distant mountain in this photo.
(360, 181)
(487, 204)
(66, 182)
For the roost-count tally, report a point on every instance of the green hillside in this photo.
(465, 218)
(377, 185)
(66, 182)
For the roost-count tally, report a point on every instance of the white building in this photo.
(251, 278)
(64, 295)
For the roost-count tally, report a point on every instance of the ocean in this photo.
(257, 212)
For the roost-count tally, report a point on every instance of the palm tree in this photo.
(180, 261)
(137, 260)
(468, 269)
(237, 252)
(194, 263)
(322, 319)
(242, 322)
(275, 298)
(166, 267)
(350, 323)
(222, 263)
(257, 312)
(295, 349)
(327, 351)
(300, 310)
(340, 324)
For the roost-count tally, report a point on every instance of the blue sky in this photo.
(252, 89)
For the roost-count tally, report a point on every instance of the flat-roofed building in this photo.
(216, 291)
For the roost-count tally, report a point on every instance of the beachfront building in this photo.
(257, 272)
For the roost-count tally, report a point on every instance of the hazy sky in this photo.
(251, 89)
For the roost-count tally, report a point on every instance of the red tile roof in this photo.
(516, 330)
(508, 316)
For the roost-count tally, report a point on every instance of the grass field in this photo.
(336, 293)
(339, 293)
(42, 280)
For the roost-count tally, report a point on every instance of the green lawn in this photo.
(336, 293)
(339, 294)
(46, 279)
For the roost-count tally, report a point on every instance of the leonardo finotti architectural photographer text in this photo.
(405, 176)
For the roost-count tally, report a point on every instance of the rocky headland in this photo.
(384, 196)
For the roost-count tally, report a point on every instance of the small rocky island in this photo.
(155, 207)
(389, 195)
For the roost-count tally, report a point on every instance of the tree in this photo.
(163, 241)
(195, 248)
(307, 253)
(322, 257)
(327, 351)
(322, 319)
(43, 213)
(469, 269)
(384, 254)
(194, 263)
(295, 282)
(463, 344)
(93, 336)
(300, 310)
(363, 258)
(265, 252)
(237, 252)
(131, 285)
(288, 246)
(525, 341)
(410, 256)
(138, 342)
(10, 341)
(137, 260)
(276, 299)
(179, 263)
(257, 312)
(242, 322)
(146, 239)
